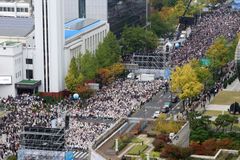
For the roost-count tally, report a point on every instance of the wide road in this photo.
(155, 104)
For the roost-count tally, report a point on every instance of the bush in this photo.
(160, 141)
(175, 153)
(211, 146)
(137, 150)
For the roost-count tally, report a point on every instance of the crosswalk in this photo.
(80, 155)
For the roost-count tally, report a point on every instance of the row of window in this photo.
(11, 9)
(29, 74)
(18, 74)
(92, 42)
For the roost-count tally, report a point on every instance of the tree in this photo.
(204, 75)
(159, 26)
(199, 121)
(136, 39)
(88, 65)
(117, 69)
(84, 91)
(179, 8)
(160, 141)
(108, 52)
(165, 127)
(176, 153)
(223, 121)
(218, 53)
(184, 82)
(72, 75)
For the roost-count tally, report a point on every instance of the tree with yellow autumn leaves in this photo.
(185, 83)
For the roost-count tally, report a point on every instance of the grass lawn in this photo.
(216, 113)
(137, 150)
(136, 140)
(226, 98)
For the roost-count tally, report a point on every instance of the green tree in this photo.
(72, 75)
(159, 26)
(138, 39)
(88, 66)
(218, 53)
(223, 121)
(108, 52)
(184, 82)
(203, 73)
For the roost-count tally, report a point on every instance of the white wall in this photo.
(71, 10)
(11, 65)
(56, 45)
(39, 72)
(96, 9)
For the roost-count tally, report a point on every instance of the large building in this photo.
(15, 9)
(35, 52)
(118, 13)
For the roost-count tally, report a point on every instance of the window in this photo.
(26, 9)
(29, 61)
(18, 9)
(1, 8)
(29, 74)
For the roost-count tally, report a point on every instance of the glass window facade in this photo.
(126, 12)
(82, 6)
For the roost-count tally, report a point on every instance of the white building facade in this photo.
(15, 9)
(11, 58)
(43, 64)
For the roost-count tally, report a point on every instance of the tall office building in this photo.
(118, 13)
(39, 48)
(49, 32)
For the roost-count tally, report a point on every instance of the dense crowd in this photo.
(23, 111)
(112, 102)
(81, 134)
(221, 22)
(115, 101)
(119, 99)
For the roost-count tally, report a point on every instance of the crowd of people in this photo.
(81, 134)
(111, 102)
(221, 22)
(115, 101)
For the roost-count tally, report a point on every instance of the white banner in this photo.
(5, 79)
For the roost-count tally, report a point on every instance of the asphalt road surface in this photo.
(155, 104)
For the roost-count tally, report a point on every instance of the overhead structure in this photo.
(36, 142)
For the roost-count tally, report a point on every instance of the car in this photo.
(156, 114)
(167, 104)
(174, 99)
(164, 109)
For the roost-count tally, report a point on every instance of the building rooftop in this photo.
(16, 27)
(80, 25)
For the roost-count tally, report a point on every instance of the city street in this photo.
(155, 104)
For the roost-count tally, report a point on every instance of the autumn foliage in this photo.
(84, 91)
(172, 152)
(160, 141)
(211, 146)
(109, 74)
